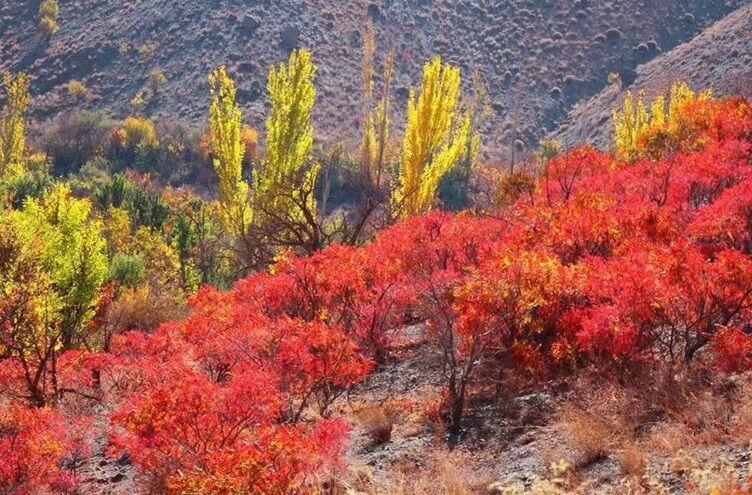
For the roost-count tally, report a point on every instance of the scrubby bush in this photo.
(157, 79)
(49, 10)
(73, 138)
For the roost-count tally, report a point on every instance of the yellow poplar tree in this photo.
(434, 138)
(376, 122)
(630, 123)
(12, 124)
(282, 187)
(634, 119)
(229, 150)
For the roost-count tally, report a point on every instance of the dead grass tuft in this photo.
(633, 461)
(445, 473)
(589, 435)
(378, 422)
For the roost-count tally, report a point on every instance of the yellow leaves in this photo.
(117, 230)
(49, 10)
(60, 265)
(161, 262)
(12, 124)
(279, 183)
(633, 123)
(657, 112)
(434, 139)
(376, 122)
(138, 131)
(73, 241)
(630, 123)
(228, 140)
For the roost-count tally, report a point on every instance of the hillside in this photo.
(591, 338)
(225, 285)
(537, 58)
(720, 58)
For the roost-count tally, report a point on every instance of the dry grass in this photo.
(650, 425)
(659, 412)
(588, 434)
(444, 473)
(378, 422)
(669, 438)
(633, 461)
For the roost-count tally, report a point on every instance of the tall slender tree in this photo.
(283, 184)
(435, 137)
(229, 150)
(376, 121)
(12, 124)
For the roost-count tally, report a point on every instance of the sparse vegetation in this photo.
(378, 421)
(148, 49)
(77, 89)
(49, 10)
(138, 102)
(157, 79)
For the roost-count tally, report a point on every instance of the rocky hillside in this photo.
(538, 57)
(720, 58)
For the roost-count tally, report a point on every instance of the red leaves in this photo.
(728, 220)
(608, 262)
(216, 402)
(562, 176)
(174, 425)
(33, 444)
(196, 435)
(733, 349)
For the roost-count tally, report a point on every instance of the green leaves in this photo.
(71, 251)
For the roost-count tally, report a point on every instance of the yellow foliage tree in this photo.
(634, 120)
(282, 185)
(49, 10)
(12, 124)
(73, 253)
(228, 149)
(376, 122)
(435, 137)
(138, 131)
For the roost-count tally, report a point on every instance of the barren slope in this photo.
(720, 58)
(538, 57)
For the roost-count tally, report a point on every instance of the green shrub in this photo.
(126, 269)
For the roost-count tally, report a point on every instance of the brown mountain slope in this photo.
(719, 58)
(537, 57)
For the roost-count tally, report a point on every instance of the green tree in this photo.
(13, 125)
(72, 254)
(229, 150)
(52, 267)
(435, 137)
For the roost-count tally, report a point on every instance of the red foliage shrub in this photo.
(608, 262)
(33, 447)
